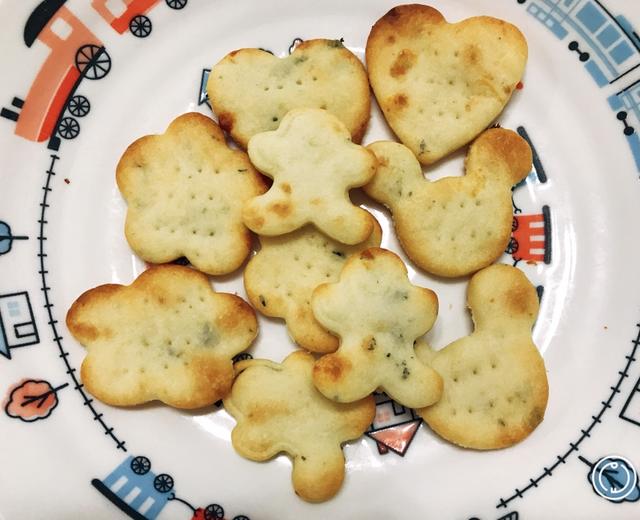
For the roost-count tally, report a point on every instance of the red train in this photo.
(52, 108)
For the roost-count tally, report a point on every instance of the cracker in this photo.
(378, 314)
(251, 90)
(495, 383)
(313, 164)
(277, 409)
(184, 191)
(439, 84)
(456, 225)
(281, 277)
(167, 336)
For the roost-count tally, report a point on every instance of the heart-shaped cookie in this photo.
(251, 90)
(439, 84)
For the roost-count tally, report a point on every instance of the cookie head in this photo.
(455, 225)
(277, 409)
(313, 164)
(377, 313)
(167, 337)
(184, 191)
(495, 383)
(440, 84)
(251, 90)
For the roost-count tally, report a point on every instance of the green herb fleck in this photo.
(303, 457)
(263, 301)
(423, 146)
(372, 344)
(336, 43)
(300, 59)
(242, 170)
(339, 253)
(405, 373)
(388, 354)
(274, 119)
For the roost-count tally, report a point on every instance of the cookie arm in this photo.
(501, 152)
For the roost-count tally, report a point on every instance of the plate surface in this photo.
(82, 80)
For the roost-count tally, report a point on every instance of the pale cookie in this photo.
(456, 225)
(378, 314)
(278, 409)
(495, 383)
(184, 191)
(168, 336)
(281, 277)
(313, 164)
(251, 90)
(439, 85)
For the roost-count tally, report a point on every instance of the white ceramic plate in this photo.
(64, 455)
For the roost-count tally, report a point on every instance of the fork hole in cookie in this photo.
(501, 422)
(470, 410)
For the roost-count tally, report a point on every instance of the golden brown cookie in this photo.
(281, 277)
(168, 336)
(456, 225)
(278, 409)
(251, 90)
(439, 84)
(184, 191)
(378, 314)
(313, 164)
(495, 383)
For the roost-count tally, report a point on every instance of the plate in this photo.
(82, 80)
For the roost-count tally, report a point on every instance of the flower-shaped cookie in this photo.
(378, 314)
(281, 277)
(184, 191)
(167, 336)
(439, 84)
(455, 225)
(495, 383)
(313, 164)
(279, 410)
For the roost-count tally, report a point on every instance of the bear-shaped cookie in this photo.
(378, 314)
(455, 225)
(495, 382)
(278, 409)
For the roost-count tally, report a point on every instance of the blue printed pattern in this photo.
(614, 51)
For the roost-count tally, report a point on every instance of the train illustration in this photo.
(134, 17)
(142, 494)
(52, 108)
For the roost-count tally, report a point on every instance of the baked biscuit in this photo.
(277, 409)
(281, 277)
(167, 336)
(251, 90)
(439, 84)
(456, 225)
(378, 314)
(313, 164)
(184, 191)
(495, 383)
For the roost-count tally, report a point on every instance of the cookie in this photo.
(251, 90)
(495, 383)
(277, 409)
(168, 336)
(456, 225)
(184, 191)
(378, 314)
(313, 164)
(439, 84)
(281, 277)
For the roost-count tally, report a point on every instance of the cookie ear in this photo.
(397, 174)
(502, 152)
(502, 297)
